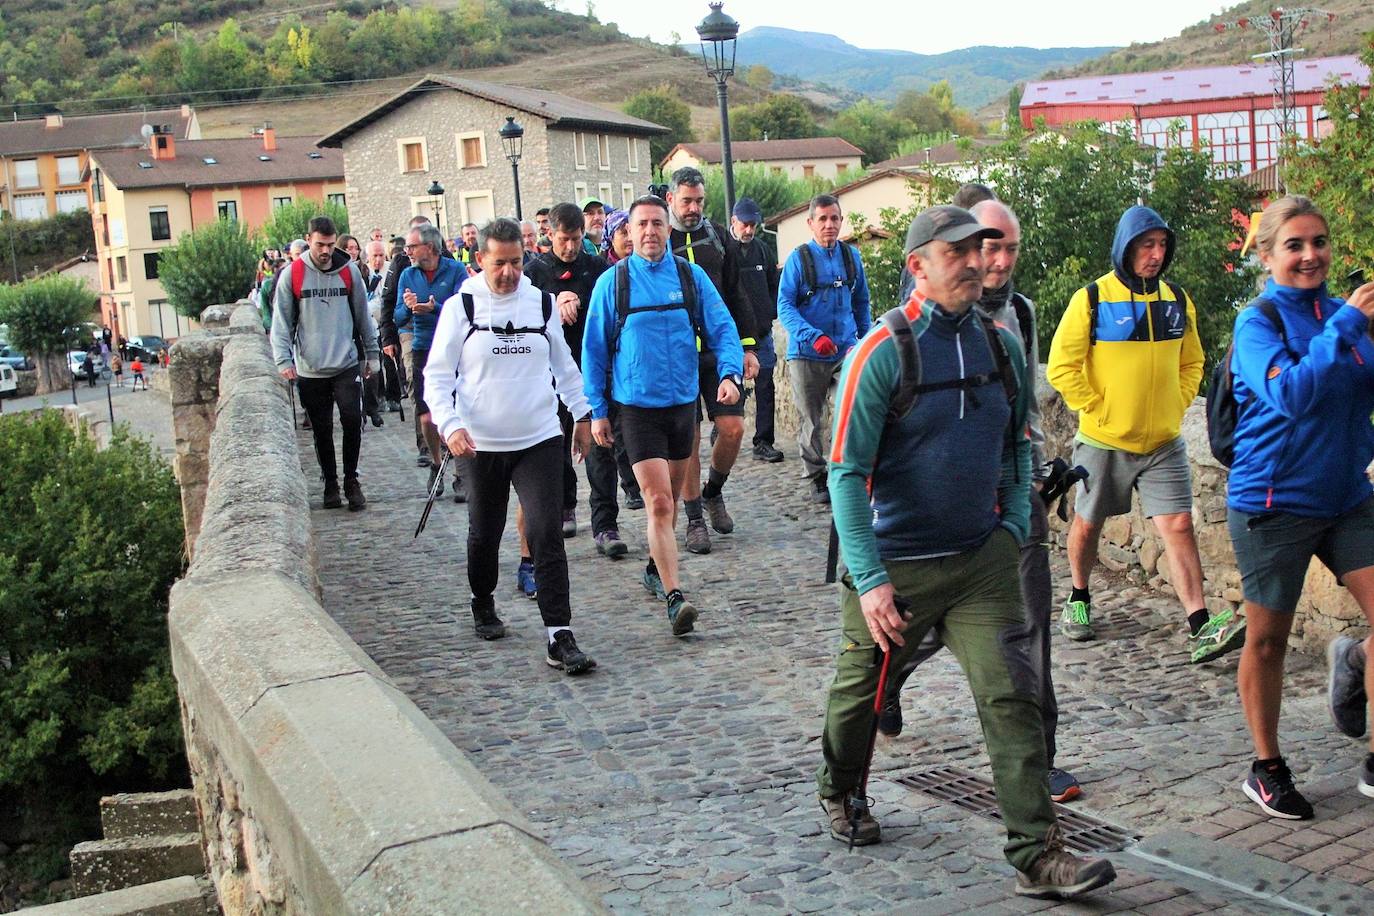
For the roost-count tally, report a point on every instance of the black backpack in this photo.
(1093, 296)
(909, 385)
(808, 267)
(688, 303)
(510, 330)
(1222, 409)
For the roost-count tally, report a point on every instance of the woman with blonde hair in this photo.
(1303, 365)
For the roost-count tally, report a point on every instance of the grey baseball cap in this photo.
(947, 224)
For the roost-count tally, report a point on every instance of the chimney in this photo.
(269, 137)
(162, 144)
(52, 121)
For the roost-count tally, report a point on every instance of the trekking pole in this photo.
(291, 391)
(400, 385)
(433, 494)
(859, 804)
(832, 554)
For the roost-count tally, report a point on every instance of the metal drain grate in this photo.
(974, 793)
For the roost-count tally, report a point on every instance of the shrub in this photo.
(211, 265)
(290, 222)
(37, 244)
(41, 315)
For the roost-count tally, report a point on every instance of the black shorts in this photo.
(1274, 549)
(657, 432)
(709, 381)
(418, 358)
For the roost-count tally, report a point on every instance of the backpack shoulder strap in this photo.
(298, 278)
(470, 312)
(715, 239)
(548, 307)
(347, 274)
(1001, 356)
(622, 300)
(909, 358)
(1025, 320)
(1093, 298)
(689, 296)
(808, 268)
(1269, 310)
(851, 274)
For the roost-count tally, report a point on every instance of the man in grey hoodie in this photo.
(321, 336)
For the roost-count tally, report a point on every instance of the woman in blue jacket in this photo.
(1298, 487)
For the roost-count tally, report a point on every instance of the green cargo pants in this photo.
(974, 601)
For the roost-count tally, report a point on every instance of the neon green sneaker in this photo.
(1076, 621)
(1222, 633)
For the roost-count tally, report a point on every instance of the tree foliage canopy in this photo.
(779, 117)
(212, 265)
(290, 222)
(41, 313)
(663, 107)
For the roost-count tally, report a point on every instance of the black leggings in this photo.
(537, 474)
(318, 397)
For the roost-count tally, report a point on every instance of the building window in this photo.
(472, 150)
(229, 209)
(603, 193)
(775, 169)
(26, 173)
(579, 150)
(414, 157)
(808, 171)
(68, 170)
(337, 199)
(279, 202)
(159, 223)
(71, 201)
(97, 187)
(603, 152)
(122, 269)
(627, 195)
(579, 191)
(632, 153)
(150, 260)
(30, 206)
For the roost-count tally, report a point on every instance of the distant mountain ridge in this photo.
(978, 75)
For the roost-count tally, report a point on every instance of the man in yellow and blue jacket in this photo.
(1126, 356)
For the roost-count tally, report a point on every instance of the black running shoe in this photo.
(1271, 787)
(332, 499)
(484, 619)
(563, 653)
(1366, 783)
(890, 719)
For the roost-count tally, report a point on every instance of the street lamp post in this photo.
(512, 141)
(436, 191)
(719, 31)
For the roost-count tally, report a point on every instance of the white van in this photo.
(8, 381)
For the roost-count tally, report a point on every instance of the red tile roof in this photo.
(772, 150)
(86, 132)
(236, 161)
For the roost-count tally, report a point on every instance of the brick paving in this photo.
(679, 777)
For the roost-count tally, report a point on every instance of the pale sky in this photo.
(925, 27)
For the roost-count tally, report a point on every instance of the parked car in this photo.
(146, 347)
(13, 358)
(75, 359)
(8, 383)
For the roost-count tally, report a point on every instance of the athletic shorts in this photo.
(657, 432)
(709, 380)
(1163, 478)
(1274, 549)
(418, 358)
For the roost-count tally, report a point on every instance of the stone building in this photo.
(445, 129)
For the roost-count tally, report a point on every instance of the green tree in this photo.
(211, 265)
(758, 77)
(773, 192)
(1013, 120)
(662, 106)
(42, 315)
(1336, 173)
(920, 113)
(870, 127)
(779, 117)
(291, 221)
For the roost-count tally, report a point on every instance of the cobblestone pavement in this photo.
(679, 776)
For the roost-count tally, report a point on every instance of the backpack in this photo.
(622, 300)
(808, 267)
(909, 385)
(710, 235)
(1094, 294)
(1223, 411)
(1025, 320)
(298, 277)
(470, 310)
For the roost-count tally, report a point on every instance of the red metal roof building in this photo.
(1230, 109)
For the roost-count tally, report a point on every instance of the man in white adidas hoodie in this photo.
(497, 343)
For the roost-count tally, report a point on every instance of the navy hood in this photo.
(1134, 223)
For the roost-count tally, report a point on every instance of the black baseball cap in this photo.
(946, 223)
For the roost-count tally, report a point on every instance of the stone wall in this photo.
(320, 788)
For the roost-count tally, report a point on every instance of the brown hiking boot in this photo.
(1060, 874)
(716, 512)
(354, 494)
(698, 538)
(839, 810)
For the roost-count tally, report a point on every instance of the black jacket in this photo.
(716, 253)
(758, 281)
(554, 276)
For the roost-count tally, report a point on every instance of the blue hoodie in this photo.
(831, 310)
(1303, 435)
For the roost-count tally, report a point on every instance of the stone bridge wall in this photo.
(320, 787)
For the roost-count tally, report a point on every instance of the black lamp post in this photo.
(436, 191)
(512, 140)
(719, 31)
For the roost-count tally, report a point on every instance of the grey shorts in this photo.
(1274, 549)
(1163, 478)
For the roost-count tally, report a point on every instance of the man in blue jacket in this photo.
(640, 351)
(423, 288)
(823, 304)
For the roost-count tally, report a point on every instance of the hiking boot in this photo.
(716, 512)
(682, 614)
(765, 452)
(563, 653)
(1345, 686)
(460, 495)
(609, 544)
(1271, 787)
(890, 718)
(820, 490)
(1060, 874)
(484, 619)
(331, 495)
(569, 522)
(524, 580)
(839, 810)
(653, 584)
(634, 499)
(433, 476)
(1366, 781)
(354, 494)
(422, 459)
(375, 417)
(1063, 786)
(1222, 633)
(1076, 621)
(698, 538)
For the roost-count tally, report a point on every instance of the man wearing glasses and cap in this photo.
(929, 474)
